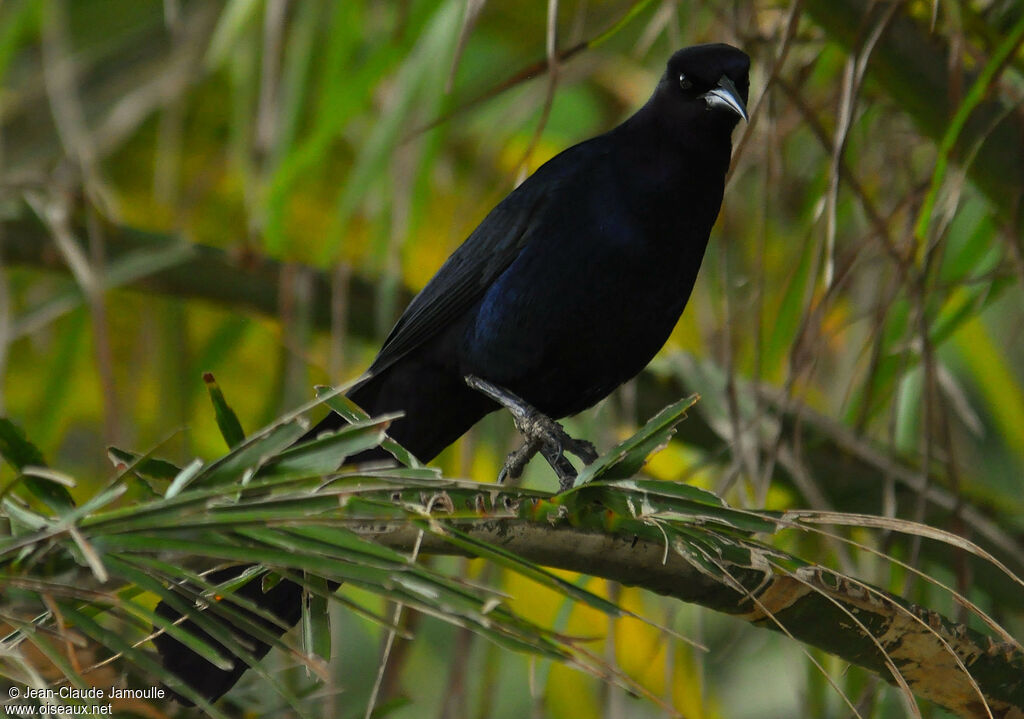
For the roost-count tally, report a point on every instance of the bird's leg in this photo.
(542, 434)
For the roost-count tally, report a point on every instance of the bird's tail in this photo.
(438, 409)
(283, 600)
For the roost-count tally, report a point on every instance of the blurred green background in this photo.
(254, 188)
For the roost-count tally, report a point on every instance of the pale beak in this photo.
(727, 97)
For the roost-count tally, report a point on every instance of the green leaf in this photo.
(316, 624)
(535, 572)
(17, 23)
(227, 420)
(20, 453)
(354, 413)
(782, 325)
(198, 587)
(246, 458)
(16, 449)
(997, 380)
(326, 453)
(140, 464)
(183, 478)
(112, 641)
(58, 656)
(678, 501)
(204, 649)
(626, 458)
(232, 23)
(1010, 44)
(411, 89)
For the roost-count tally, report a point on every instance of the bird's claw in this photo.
(517, 460)
(542, 434)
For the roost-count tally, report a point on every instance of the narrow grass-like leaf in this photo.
(146, 467)
(430, 587)
(295, 77)
(627, 457)
(30, 632)
(243, 461)
(176, 509)
(91, 505)
(527, 569)
(334, 543)
(227, 420)
(22, 520)
(407, 583)
(635, 9)
(203, 649)
(904, 527)
(783, 324)
(326, 453)
(425, 61)
(220, 619)
(675, 499)
(112, 641)
(1009, 44)
(92, 558)
(998, 380)
(232, 22)
(183, 478)
(389, 476)
(354, 413)
(19, 452)
(18, 21)
(316, 625)
(207, 591)
(355, 607)
(705, 552)
(51, 475)
(266, 546)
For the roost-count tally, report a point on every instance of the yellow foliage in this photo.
(641, 651)
(677, 461)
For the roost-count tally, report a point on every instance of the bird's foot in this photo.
(542, 434)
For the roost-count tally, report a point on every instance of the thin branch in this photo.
(813, 606)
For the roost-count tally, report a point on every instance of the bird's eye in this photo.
(685, 82)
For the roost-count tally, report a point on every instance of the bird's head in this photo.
(706, 83)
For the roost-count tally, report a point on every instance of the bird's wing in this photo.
(486, 253)
(464, 277)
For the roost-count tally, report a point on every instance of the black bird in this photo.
(566, 290)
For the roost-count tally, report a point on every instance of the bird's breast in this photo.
(563, 328)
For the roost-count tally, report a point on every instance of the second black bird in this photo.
(566, 290)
